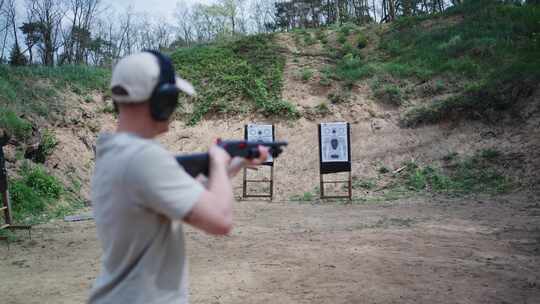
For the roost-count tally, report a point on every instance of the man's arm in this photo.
(213, 211)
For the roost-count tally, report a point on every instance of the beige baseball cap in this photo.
(135, 77)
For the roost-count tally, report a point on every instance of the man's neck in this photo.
(148, 134)
(139, 127)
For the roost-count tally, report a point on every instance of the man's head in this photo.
(145, 85)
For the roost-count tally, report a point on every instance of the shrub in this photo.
(48, 142)
(361, 41)
(349, 49)
(34, 192)
(342, 39)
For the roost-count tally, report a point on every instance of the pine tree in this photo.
(16, 57)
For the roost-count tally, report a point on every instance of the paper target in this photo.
(261, 133)
(334, 142)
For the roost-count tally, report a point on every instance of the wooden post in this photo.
(7, 208)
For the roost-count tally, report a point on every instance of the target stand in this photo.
(335, 156)
(259, 133)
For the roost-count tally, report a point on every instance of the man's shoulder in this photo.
(132, 144)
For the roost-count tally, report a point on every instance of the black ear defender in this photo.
(164, 99)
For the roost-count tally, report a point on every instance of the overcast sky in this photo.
(157, 7)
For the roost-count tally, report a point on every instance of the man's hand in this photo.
(264, 152)
(219, 157)
(238, 162)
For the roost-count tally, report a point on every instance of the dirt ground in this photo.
(418, 250)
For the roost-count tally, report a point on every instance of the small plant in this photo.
(322, 108)
(439, 86)
(306, 197)
(366, 184)
(383, 170)
(48, 143)
(305, 74)
(342, 39)
(361, 41)
(108, 108)
(490, 154)
(308, 40)
(325, 80)
(339, 97)
(450, 156)
(389, 94)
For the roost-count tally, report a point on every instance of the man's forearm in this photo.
(220, 185)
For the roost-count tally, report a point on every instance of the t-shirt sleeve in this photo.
(161, 184)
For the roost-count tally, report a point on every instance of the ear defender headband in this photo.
(164, 99)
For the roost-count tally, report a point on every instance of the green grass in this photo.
(454, 175)
(15, 126)
(495, 45)
(475, 174)
(34, 194)
(491, 45)
(236, 77)
(352, 68)
(36, 90)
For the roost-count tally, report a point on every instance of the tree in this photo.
(49, 13)
(16, 57)
(77, 38)
(32, 32)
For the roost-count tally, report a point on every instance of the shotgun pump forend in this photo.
(196, 164)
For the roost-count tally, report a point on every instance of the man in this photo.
(140, 194)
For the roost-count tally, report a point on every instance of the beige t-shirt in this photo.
(139, 196)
